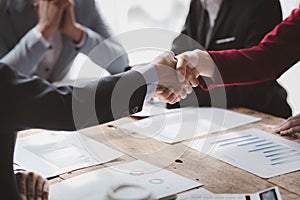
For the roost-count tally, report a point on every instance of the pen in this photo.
(170, 197)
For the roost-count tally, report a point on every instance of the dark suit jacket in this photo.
(34, 103)
(239, 24)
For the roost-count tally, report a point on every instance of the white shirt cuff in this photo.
(150, 75)
(40, 36)
(82, 41)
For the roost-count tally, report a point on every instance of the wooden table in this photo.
(217, 176)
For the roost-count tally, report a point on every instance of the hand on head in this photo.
(58, 15)
(32, 186)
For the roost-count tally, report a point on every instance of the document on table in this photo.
(188, 123)
(95, 185)
(258, 152)
(202, 194)
(51, 153)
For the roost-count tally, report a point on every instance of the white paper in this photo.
(187, 123)
(51, 153)
(253, 150)
(95, 185)
(203, 194)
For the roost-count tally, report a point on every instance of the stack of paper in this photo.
(52, 153)
(187, 123)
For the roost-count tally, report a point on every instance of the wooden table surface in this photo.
(217, 176)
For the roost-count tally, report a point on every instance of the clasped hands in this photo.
(58, 15)
(178, 74)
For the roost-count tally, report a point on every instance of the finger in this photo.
(30, 185)
(289, 123)
(160, 89)
(181, 93)
(168, 95)
(39, 188)
(181, 67)
(292, 130)
(45, 190)
(191, 77)
(21, 183)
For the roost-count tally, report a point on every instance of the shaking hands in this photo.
(178, 74)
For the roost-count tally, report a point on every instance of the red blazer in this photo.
(277, 52)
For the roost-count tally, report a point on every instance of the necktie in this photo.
(205, 27)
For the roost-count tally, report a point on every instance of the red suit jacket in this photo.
(277, 52)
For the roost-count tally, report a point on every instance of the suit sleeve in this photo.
(26, 55)
(34, 103)
(113, 56)
(276, 53)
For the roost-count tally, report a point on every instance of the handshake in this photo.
(178, 74)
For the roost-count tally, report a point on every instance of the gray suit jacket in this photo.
(22, 50)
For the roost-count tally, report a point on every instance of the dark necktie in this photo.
(205, 27)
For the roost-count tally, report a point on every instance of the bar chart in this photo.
(256, 151)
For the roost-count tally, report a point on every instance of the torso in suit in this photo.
(275, 54)
(22, 50)
(239, 24)
(34, 103)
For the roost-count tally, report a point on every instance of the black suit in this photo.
(34, 103)
(239, 24)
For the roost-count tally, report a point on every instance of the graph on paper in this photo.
(256, 151)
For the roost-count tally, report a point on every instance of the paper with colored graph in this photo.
(51, 153)
(95, 185)
(187, 123)
(261, 153)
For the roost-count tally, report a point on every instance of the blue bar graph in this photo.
(239, 141)
(277, 154)
(264, 148)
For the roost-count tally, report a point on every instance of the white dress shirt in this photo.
(55, 46)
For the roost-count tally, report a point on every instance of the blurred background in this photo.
(127, 15)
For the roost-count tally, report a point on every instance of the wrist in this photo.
(75, 32)
(206, 66)
(44, 30)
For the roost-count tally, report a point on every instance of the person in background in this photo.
(43, 37)
(233, 24)
(275, 54)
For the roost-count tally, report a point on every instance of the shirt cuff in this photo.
(151, 78)
(39, 35)
(18, 168)
(82, 41)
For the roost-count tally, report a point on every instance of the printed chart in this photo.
(256, 151)
(95, 185)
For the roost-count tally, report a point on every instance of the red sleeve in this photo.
(277, 52)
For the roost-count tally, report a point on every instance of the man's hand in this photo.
(32, 186)
(69, 26)
(192, 64)
(169, 88)
(290, 126)
(50, 13)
